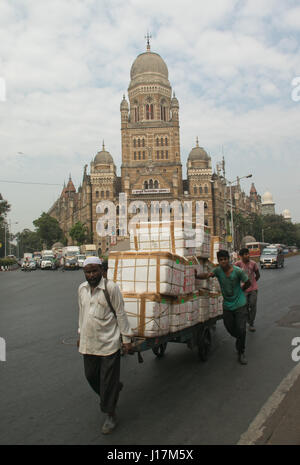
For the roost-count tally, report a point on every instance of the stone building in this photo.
(151, 168)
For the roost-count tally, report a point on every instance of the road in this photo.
(45, 399)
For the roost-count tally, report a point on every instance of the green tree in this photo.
(48, 229)
(4, 209)
(28, 241)
(279, 231)
(79, 233)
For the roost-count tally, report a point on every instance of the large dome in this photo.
(198, 153)
(103, 157)
(149, 62)
(286, 214)
(267, 198)
(149, 67)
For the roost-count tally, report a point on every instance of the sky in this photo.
(65, 65)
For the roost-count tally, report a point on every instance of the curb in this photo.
(256, 428)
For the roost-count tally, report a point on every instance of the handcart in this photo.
(198, 336)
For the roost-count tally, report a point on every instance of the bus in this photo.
(256, 248)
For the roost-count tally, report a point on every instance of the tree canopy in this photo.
(79, 233)
(48, 229)
(4, 208)
(28, 241)
(266, 228)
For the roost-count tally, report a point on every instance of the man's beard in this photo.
(94, 282)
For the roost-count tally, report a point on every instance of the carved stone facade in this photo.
(151, 167)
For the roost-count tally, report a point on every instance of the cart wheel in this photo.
(204, 344)
(159, 351)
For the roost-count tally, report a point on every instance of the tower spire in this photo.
(103, 147)
(148, 36)
(197, 142)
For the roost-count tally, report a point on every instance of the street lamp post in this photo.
(9, 232)
(231, 205)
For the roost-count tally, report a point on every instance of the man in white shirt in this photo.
(101, 323)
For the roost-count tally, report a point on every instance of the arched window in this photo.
(167, 154)
(155, 184)
(151, 112)
(195, 190)
(205, 205)
(162, 154)
(151, 184)
(134, 143)
(148, 111)
(157, 154)
(107, 194)
(200, 189)
(143, 142)
(161, 141)
(139, 143)
(139, 155)
(205, 189)
(163, 111)
(146, 185)
(118, 209)
(144, 155)
(166, 141)
(102, 194)
(97, 194)
(134, 155)
(157, 142)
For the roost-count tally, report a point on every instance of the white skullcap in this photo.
(92, 261)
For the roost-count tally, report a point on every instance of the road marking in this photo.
(256, 428)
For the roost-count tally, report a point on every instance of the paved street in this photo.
(45, 399)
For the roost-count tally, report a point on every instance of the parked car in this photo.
(28, 265)
(48, 263)
(71, 263)
(80, 260)
(272, 257)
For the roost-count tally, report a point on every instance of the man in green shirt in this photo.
(230, 278)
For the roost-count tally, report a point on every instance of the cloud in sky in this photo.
(66, 66)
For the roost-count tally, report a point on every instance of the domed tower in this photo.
(199, 175)
(150, 129)
(267, 206)
(287, 216)
(103, 182)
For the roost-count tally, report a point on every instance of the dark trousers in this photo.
(103, 375)
(235, 323)
(251, 306)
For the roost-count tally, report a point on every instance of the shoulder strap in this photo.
(106, 293)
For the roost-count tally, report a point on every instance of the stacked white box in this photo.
(150, 272)
(203, 314)
(161, 265)
(214, 285)
(220, 305)
(203, 244)
(164, 236)
(148, 314)
(216, 245)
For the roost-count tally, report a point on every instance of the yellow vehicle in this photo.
(89, 250)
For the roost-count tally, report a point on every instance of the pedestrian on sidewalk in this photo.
(251, 269)
(230, 278)
(102, 320)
